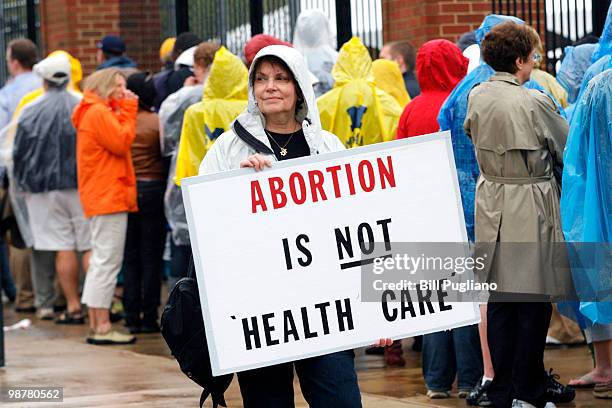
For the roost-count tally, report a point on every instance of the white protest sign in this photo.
(275, 284)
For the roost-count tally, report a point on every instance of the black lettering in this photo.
(287, 254)
(307, 333)
(369, 248)
(407, 305)
(441, 295)
(342, 241)
(346, 314)
(248, 333)
(290, 329)
(385, 229)
(299, 243)
(424, 299)
(322, 307)
(268, 329)
(386, 296)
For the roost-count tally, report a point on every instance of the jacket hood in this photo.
(440, 66)
(388, 77)
(605, 41)
(312, 30)
(491, 21)
(89, 99)
(228, 77)
(573, 67)
(296, 63)
(354, 62)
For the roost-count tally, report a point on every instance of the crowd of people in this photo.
(93, 220)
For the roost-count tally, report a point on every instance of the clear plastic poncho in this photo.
(586, 201)
(38, 149)
(171, 116)
(577, 60)
(224, 96)
(314, 39)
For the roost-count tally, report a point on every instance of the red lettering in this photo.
(349, 176)
(386, 172)
(316, 185)
(279, 198)
(334, 173)
(257, 197)
(302, 186)
(370, 186)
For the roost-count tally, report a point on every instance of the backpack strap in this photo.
(251, 140)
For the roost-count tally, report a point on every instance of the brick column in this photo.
(422, 20)
(77, 25)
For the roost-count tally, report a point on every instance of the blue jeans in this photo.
(452, 352)
(326, 381)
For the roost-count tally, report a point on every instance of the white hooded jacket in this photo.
(229, 149)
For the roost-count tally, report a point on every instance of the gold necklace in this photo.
(283, 149)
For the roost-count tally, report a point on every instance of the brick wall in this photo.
(423, 20)
(77, 25)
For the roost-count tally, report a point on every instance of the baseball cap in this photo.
(55, 69)
(112, 44)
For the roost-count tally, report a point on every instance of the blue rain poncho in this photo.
(586, 201)
(571, 73)
(452, 115)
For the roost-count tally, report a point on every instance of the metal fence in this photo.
(565, 21)
(18, 18)
(233, 22)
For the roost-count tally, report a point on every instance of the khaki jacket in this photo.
(519, 137)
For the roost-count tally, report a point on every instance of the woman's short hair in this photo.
(505, 43)
(102, 82)
(205, 54)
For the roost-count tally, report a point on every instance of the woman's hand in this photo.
(127, 94)
(383, 342)
(191, 81)
(256, 161)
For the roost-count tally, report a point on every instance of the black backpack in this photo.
(183, 329)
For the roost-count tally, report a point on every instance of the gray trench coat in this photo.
(519, 137)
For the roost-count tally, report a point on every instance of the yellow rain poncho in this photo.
(76, 75)
(355, 110)
(225, 96)
(388, 77)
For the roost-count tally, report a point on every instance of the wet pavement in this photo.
(145, 375)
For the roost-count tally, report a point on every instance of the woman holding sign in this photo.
(281, 122)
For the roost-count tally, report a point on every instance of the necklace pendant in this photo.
(283, 151)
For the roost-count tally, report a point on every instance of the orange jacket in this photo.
(105, 132)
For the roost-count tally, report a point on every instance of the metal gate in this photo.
(18, 18)
(565, 21)
(234, 22)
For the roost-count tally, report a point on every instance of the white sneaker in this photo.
(523, 404)
(45, 313)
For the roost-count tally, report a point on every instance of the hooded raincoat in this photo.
(222, 98)
(356, 110)
(229, 150)
(314, 39)
(440, 66)
(586, 199)
(388, 77)
(105, 132)
(519, 137)
(225, 96)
